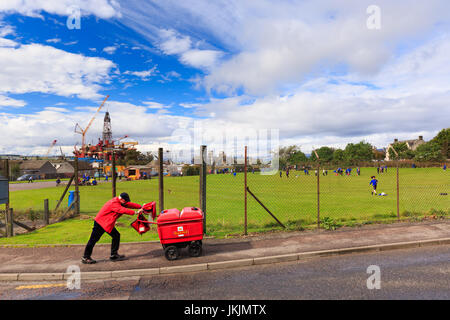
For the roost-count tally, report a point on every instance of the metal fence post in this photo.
(161, 179)
(318, 189)
(46, 213)
(398, 193)
(8, 234)
(245, 192)
(113, 169)
(318, 196)
(202, 185)
(77, 189)
(9, 217)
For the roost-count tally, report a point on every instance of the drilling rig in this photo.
(105, 146)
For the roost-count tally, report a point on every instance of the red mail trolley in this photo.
(176, 230)
(179, 230)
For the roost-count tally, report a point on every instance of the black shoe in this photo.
(116, 257)
(88, 260)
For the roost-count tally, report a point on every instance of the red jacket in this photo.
(113, 210)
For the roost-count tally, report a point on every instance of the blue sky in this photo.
(313, 70)
(127, 53)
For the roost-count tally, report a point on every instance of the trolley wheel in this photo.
(195, 249)
(171, 253)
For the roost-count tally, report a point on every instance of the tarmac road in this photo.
(417, 274)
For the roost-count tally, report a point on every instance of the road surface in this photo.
(419, 273)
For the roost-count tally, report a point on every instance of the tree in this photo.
(191, 170)
(15, 171)
(338, 155)
(297, 157)
(362, 151)
(402, 150)
(325, 154)
(135, 157)
(290, 155)
(430, 151)
(442, 140)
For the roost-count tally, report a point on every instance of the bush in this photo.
(330, 224)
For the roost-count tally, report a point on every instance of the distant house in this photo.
(84, 168)
(168, 167)
(64, 169)
(43, 168)
(379, 154)
(411, 144)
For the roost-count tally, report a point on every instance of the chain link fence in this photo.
(333, 195)
(238, 199)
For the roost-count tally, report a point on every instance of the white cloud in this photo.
(5, 30)
(104, 9)
(154, 105)
(54, 40)
(172, 43)
(169, 76)
(311, 69)
(71, 43)
(144, 75)
(10, 102)
(31, 133)
(7, 43)
(201, 58)
(38, 68)
(110, 49)
(273, 45)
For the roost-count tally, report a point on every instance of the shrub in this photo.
(330, 224)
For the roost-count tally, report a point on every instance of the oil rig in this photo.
(106, 145)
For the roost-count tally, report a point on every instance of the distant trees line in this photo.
(435, 150)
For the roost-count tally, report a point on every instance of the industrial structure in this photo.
(106, 146)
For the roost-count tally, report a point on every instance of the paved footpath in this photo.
(149, 255)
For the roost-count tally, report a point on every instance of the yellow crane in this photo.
(83, 132)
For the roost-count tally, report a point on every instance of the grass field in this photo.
(345, 199)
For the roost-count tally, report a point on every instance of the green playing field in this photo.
(293, 200)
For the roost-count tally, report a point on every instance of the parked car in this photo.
(26, 177)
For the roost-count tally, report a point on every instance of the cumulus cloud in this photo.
(409, 97)
(31, 133)
(104, 9)
(110, 49)
(144, 75)
(172, 43)
(313, 70)
(65, 73)
(10, 102)
(272, 45)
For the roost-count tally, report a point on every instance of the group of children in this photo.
(348, 171)
(373, 182)
(382, 169)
